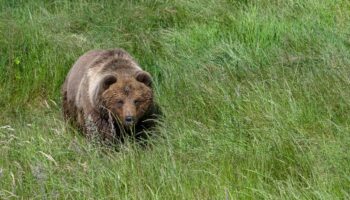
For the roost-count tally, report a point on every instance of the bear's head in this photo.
(128, 98)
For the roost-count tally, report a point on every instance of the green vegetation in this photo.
(256, 96)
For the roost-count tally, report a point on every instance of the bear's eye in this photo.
(120, 103)
(138, 102)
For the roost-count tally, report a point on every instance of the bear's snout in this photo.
(129, 120)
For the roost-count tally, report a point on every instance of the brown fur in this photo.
(107, 94)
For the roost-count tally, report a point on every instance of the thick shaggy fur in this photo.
(102, 89)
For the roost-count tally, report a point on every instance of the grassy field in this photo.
(256, 97)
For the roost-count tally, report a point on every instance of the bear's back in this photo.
(78, 71)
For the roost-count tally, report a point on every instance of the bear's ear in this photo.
(144, 77)
(108, 81)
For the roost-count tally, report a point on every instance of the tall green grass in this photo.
(255, 95)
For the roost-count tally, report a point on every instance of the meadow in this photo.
(255, 95)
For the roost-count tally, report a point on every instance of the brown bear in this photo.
(107, 94)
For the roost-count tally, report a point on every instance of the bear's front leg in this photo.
(100, 127)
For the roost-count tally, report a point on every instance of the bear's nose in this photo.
(129, 119)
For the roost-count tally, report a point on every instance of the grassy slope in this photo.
(256, 96)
